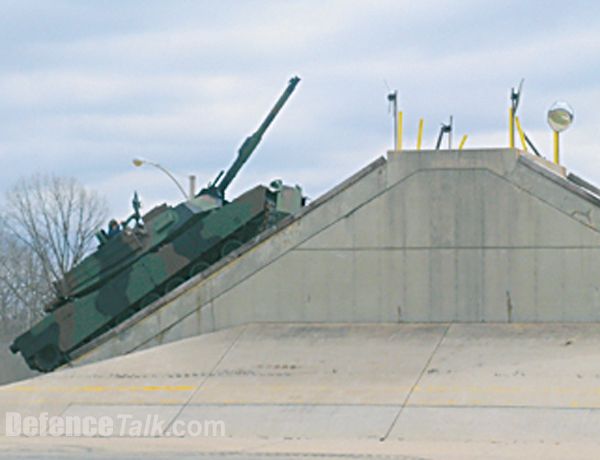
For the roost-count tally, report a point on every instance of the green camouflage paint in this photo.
(139, 265)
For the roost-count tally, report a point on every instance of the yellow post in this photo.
(521, 134)
(420, 134)
(511, 128)
(462, 142)
(399, 141)
(556, 159)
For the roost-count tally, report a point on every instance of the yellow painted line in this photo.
(103, 388)
(172, 401)
(432, 389)
(452, 403)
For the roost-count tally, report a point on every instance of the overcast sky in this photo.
(85, 86)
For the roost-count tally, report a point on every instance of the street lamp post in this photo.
(140, 162)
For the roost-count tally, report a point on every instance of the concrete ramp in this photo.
(429, 236)
(335, 390)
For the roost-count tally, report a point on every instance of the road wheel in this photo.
(148, 300)
(230, 246)
(173, 283)
(48, 358)
(198, 267)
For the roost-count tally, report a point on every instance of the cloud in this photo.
(84, 88)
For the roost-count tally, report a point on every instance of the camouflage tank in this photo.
(153, 254)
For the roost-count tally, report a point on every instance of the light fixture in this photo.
(560, 117)
(137, 162)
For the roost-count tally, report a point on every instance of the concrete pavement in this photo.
(412, 390)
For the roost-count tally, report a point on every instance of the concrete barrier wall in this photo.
(13, 367)
(431, 236)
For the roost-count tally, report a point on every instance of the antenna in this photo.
(515, 99)
(386, 85)
(515, 96)
(392, 98)
(445, 128)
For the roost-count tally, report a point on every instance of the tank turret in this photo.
(222, 182)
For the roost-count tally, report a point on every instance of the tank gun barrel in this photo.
(252, 141)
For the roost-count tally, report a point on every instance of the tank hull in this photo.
(195, 241)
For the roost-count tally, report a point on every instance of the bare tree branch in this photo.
(47, 228)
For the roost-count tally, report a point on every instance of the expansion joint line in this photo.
(208, 375)
(412, 389)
